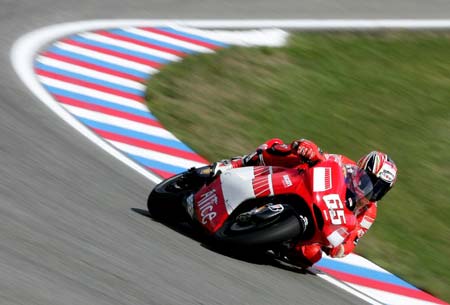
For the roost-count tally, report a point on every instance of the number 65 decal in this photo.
(335, 208)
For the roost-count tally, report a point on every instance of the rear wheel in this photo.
(165, 200)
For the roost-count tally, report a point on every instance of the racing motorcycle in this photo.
(264, 206)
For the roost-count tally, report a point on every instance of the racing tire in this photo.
(284, 227)
(164, 201)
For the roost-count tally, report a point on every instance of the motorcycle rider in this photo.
(380, 168)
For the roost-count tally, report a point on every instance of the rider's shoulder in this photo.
(270, 143)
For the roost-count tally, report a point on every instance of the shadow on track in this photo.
(247, 255)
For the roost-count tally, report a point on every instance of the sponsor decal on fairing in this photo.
(287, 181)
(367, 222)
(206, 206)
(322, 179)
(337, 237)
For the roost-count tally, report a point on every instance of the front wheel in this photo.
(268, 230)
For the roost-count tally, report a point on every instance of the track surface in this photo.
(71, 231)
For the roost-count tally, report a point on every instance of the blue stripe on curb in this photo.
(363, 272)
(99, 102)
(135, 134)
(89, 79)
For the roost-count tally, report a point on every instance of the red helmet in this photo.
(381, 170)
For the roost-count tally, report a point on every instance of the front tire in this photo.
(282, 227)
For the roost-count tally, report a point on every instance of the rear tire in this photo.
(164, 202)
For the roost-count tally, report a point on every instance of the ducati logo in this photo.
(276, 208)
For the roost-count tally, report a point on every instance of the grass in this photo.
(351, 93)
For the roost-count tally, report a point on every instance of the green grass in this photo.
(351, 93)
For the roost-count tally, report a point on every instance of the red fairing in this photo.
(322, 185)
(288, 181)
(329, 189)
(210, 207)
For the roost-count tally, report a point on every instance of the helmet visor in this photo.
(360, 184)
(380, 188)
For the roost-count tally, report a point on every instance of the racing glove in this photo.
(307, 151)
(273, 146)
(224, 165)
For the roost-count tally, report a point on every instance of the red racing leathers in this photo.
(276, 153)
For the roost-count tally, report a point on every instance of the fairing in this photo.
(329, 195)
(322, 185)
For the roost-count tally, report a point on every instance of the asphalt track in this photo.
(71, 231)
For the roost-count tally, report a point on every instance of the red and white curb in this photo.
(92, 74)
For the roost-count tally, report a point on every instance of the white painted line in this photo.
(260, 37)
(347, 288)
(390, 298)
(130, 46)
(301, 24)
(119, 122)
(154, 155)
(356, 260)
(105, 57)
(55, 63)
(319, 24)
